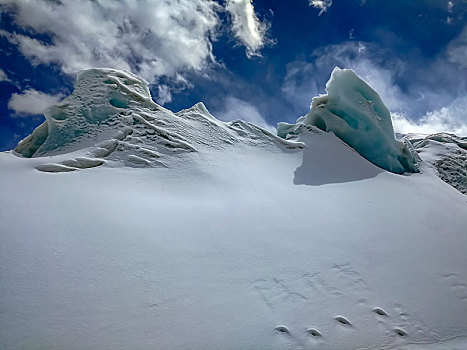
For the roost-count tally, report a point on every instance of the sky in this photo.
(257, 60)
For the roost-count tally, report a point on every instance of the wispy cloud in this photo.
(32, 102)
(235, 108)
(457, 49)
(164, 94)
(246, 26)
(420, 102)
(3, 76)
(451, 119)
(322, 5)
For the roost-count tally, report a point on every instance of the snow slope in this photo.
(242, 241)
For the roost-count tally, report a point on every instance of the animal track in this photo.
(317, 282)
(380, 311)
(274, 291)
(305, 294)
(314, 332)
(417, 327)
(282, 329)
(351, 278)
(342, 320)
(304, 287)
(400, 332)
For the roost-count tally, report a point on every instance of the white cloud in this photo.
(322, 5)
(3, 76)
(246, 26)
(451, 119)
(235, 108)
(450, 5)
(31, 102)
(421, 107)
(149, 37)
(457, 49)
(305, 80)
(164, 94)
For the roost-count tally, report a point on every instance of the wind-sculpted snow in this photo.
(356, 114)
(111, 114)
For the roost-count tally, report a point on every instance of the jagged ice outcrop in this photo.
(357, 115)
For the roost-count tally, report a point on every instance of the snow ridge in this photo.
(111, 120)
(111, 115)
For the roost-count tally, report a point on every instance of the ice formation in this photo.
(355, 113)
(110, 119)
(111, 114)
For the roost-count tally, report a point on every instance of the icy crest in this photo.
(111, 115)
(356, 114)
(98, 96)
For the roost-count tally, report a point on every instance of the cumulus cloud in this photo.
(31, 102)
(322, 5)
(451, 119)
(235, 108)
(149, 37)
(246, 26)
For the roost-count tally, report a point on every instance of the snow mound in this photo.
(357, 115)
(111, 115)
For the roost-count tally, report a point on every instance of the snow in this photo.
(446, 154)
(356, 114)
(229, 238)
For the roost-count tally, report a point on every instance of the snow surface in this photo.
(356, 114)
(231, 239)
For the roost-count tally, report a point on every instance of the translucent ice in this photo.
(356, 114)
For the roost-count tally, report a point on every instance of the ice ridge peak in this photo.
(357, 115)
(111, 116)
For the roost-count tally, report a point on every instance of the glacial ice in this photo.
(111, 116)
(356, 114)
(98, 95)
(112, 112)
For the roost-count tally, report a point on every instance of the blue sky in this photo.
(260, 60)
